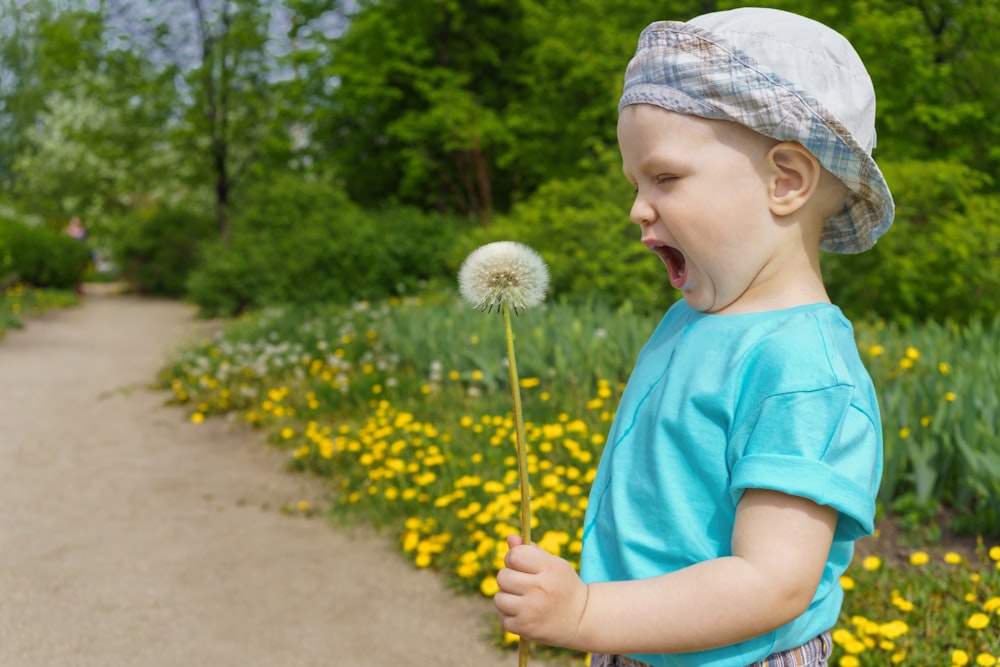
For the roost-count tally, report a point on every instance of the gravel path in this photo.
(130, 537)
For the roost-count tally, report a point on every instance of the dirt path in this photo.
(130, 537)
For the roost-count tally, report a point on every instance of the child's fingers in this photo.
(514, 581)
(526, 558)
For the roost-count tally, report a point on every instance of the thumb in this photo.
(514, 541)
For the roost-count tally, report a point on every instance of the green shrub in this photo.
(304, 242)
(40, 256)
(938, 261)
(157, 249)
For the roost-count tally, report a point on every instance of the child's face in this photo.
(702, 203)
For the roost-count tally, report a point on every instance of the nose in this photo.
(641, 213)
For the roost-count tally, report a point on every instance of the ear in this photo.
(794, 177)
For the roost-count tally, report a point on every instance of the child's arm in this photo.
(780, 547)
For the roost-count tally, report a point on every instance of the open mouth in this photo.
(675, 262)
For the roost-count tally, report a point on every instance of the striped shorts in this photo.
(814, 653)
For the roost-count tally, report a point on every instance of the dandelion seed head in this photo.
(503, 273)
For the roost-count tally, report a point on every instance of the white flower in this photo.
(501, 273)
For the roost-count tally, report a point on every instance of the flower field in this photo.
(403, 406)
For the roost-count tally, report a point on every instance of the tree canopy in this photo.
(467, 107)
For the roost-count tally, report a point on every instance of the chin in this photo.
(697, 303)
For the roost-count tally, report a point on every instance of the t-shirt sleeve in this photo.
(817, 444)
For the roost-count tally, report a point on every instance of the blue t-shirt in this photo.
(718, 404)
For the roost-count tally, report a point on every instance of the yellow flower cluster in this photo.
(460, 510)
(869, 635)
(423, 455)
(859, 640)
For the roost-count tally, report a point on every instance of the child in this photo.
(746, 452)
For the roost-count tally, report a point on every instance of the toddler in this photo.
(745, 455)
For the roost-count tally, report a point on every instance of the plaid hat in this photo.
(783, 76)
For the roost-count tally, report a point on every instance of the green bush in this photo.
(157, 249)
(40, 256)
(304, 242)
(938, 261)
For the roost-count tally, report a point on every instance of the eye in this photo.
(665, 178)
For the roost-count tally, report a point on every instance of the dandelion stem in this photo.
(522, 457)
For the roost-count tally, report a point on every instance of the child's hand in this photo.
(541, 597)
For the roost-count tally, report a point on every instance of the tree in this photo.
(42, 49)
(231, 90)
(86, 119)
(471, 106)
(225, 74)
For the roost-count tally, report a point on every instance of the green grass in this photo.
(404, 407)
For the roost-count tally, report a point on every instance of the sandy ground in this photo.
(130, 537)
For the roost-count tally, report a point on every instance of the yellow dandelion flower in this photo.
(978, 621)
(925, 421)
(893, 629)
(944, 368)
(510, 638)
(849, 661)
(959, 658)
(528, 383)
(995, 553)
(876, 350)
(467, 569)
(303, 505)
(855, 647)
(871, 563)
(904, 433)
(906, 362)
(489, 586)
(197, 418)
(846, 583)
(992, 605)
(842, 636)
(986, 660)
(898, 657)
(912, 353)
(952, 558)
(919, 558)
(902, 604)
(287, 433)
(949, 396)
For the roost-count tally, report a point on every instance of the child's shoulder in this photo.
(805, 345)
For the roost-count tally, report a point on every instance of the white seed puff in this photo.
(503, 273)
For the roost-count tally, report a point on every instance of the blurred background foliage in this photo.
(241, 153)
